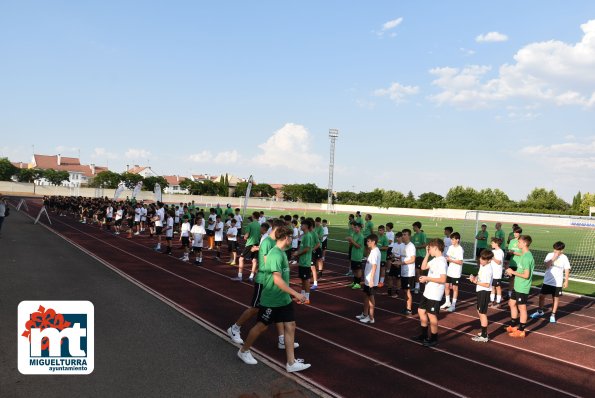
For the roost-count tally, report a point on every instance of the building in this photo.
(174, 185)
(143, 171)
(78, 174)
(278, 190)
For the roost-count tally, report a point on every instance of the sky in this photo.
(426, 95)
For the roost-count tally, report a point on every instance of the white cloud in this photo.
(468, 52)
(491, 37)
(136, 154)
(102, 154)
(66, 149)
(290, 147)
(551, 71)
(388, 26)
(577, 156)
(396, 92)
(225, 157)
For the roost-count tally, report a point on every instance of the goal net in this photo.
(577, 233)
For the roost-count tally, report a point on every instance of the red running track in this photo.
(352, 359)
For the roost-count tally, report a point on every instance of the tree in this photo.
(149, 183)
(7, 169)
(540, 198)
(430, 200)
(240, 189)
(56, 177)
(587, 201)
(264, 190)
(130, 179)
(223, 186)
(106, 179)
(345, 197)
(493, 199)
(577, 201)
(461, 197)
(304, 192)
(29, 175)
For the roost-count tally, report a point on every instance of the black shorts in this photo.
(355, 265)
(268, 315)
(196, 249)
(255, 302)
(108, 219)
(408, 282)
(478, 251)
(549, 289)
(169, 237)
(135, 223)
(507, 257)
(118, 222)
(520, 298)
(496, 282)
(431, 306)
(394, 271)
(483, 300)
(210, 232)
(369, 291)
(382, 263)
(453, 281)
(316, 254)
(185, 241)
(248, 254)
(304, 273)
(233, 245)
(324, 244)
(218, 243)
(418, 262)
(158, 230)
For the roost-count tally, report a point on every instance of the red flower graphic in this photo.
(45, 319)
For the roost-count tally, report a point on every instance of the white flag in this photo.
(137, 189)
(119, 190)
(157, 192)
(248, 189)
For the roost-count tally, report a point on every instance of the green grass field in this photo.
(580, 242)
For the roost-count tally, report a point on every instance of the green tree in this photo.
(345, 197)
(29, 175)
(149, 183)
(430, 200)
(193, 187)
(588, 200)
(264, 190)
(394, 199)
(492, 199)
(106, 179)
(542, 199)
(240, 189)
(130, 179)
(56, 177)
(460, 197)
(7, 169)
(309, 193)
(577, 201)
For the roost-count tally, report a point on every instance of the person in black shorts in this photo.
(483, 281)
(394, 272)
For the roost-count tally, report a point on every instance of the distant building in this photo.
(278, 190)
(143, 171)
(79, 174)
(174, 185)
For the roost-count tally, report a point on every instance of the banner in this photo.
(248, 189)
(119, 190)
(157, 192)
(137, 189)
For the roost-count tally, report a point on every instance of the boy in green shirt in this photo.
(420, 241)
(522, 285)
(383, 246)
(513, 255)
(252, 237)
(304, 256)
(357, 254)
(276, 304)
(482, 241)
(500, 235)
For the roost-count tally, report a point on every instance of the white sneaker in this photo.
(416, 290)
(136, 233)
(480, 339)
(361, 316)
(367, 320)
(537, 314)
(451, 308)
(445, 305)
(282, 345)
(297, 366)
(247, 357)
(234, 335)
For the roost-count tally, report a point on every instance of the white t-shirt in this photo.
(159, 222)
(161, 214)
(212, 221)
(324, 233)
(109, 213)
(294, 238)
(373, 258)
(435, 291)
(197, 232)
(484, 276)
(456, 253)
(447, 244)
(398, 250)
(408, 270)
(137, 213)
(497, 268)
(219, 234)
(185, 230)
(177, 216)
(232, 234)
(119, 214)
(239, 221)
(143, 214)
(554, 275)
(170, 228)
(390, 235)
(262, 220)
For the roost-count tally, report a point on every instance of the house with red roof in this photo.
(174, 185)
(79, 174)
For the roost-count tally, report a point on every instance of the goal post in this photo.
(577, 233)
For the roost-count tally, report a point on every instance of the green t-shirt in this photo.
(253, 229)
(420, 239)
(500, 234)
(306, 258)
(482, 244)
(357, 254)
(271, 295)
(228, 211)
(382, 241)
(218, 211)
(514, 247)
(368, 229)
(525, 262)
(319, 232)
(359, 220)
(263, 250)
(315, 239)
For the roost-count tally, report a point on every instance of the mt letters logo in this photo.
(56, 337)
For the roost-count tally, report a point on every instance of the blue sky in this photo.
(426, 95)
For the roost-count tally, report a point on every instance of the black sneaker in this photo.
(389, 293)
(430, 343)
(419, 338)
(406, 312)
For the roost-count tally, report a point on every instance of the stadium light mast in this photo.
(333, 134)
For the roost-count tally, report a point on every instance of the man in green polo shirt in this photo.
(522, 285)
(276, 305)
(252, 237)
(420, 241)
(357, 254)
(482, 241)
(383, 246)
(304, 256)
(500, 235)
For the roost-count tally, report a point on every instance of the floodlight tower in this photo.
(333, 135)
